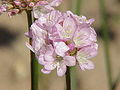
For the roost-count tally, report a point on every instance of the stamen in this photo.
(59, 58)
(73, 52)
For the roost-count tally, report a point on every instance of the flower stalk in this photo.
(73, 78)
(78, 6)
(34, 63)
(68, 79)
(104, 27)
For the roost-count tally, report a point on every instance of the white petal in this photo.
(49, 54)
(61, 70)
(45, 71)
(87, 65)
(70, 60)
(61, 48)
(41, 60)
(29, 46)
(50, 66)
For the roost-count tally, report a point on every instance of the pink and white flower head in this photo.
(39, 7)
(13, 12)
(63, 39)
(56, 58)
(38, 35)
(43, 7)
(2, 9)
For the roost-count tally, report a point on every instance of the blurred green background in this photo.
(15, 61)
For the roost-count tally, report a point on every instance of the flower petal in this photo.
(29, 46)
(70, 60)
(68, 29)
(50, 66)
(37, 43)
(49, 54)
(84, 36)
(86, 65)
(45, 71)
(49, 57)
(56, 3)
(61, 48)
(28, 34)
(61, 70)
(87, 52)
(41, 60)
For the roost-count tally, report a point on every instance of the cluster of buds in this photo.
(61, 40)
(13, 7)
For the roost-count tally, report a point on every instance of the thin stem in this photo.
(73, 78)
(68, 79)
(34, 63)
(104, 27)
(78, 6)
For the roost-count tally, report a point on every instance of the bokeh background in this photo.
(15, 61)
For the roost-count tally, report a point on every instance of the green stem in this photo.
(105, 33)
(78, 6)
(73, 78)
(34, 63)
(68, 79)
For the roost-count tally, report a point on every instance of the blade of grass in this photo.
(104, 27)
(34, 63)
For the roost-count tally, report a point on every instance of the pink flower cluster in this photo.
(61, 40)
(13, 7)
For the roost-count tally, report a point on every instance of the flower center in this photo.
(73, 52)
(68, 42)
(59, 58)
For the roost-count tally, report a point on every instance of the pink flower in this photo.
(39, 7)
(81, 20)
(13, 12)
(53, 60)
(45, 71)
(84, 36)
(62, 39)
(44, 7)
(3, 8)
(78, 33)
(86, 53)
(55, 3)
(67, 29)
(31, 4)
(17, 2)
(60, 48)
(40, 3)
(38, 36)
